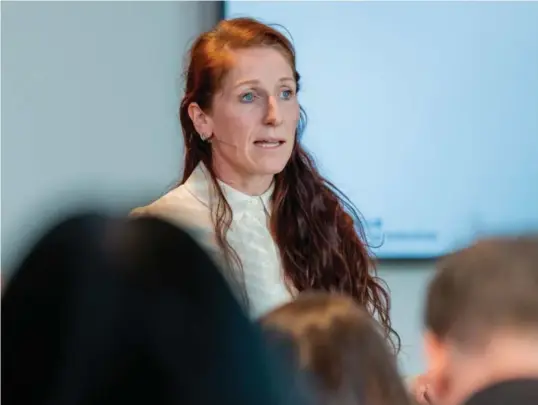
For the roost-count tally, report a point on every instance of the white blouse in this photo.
(189, 205)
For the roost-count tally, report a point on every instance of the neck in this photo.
(250, 184)
(504, 358)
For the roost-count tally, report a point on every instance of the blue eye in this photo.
(286, 94)
(247, 97)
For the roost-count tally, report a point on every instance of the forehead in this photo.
(264, 64)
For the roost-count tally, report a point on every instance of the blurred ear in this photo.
(438, 364)
(202, 122)
(434, 350)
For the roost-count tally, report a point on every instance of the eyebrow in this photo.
(254, 81)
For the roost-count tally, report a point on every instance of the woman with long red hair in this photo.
(250, 190)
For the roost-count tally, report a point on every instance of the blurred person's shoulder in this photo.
(521, 391)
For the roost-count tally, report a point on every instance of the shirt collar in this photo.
(200, 185)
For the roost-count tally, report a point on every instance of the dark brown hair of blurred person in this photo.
(341, 348)
(481, 319)
(105, 311)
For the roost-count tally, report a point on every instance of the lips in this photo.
(268, 143)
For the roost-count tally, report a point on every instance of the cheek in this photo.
(235, 127)
(292, 114)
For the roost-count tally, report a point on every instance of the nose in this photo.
(273, 116)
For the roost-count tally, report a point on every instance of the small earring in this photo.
(205, 138)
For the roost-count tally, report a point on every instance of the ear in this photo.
(434, 350)
(202, 122)
(438, 364)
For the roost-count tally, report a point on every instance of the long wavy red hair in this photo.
(317, 229)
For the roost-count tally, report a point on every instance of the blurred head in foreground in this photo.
(104, 311)
(341, 349)
(482, 318)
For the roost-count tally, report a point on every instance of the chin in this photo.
(271, 167)
(266, 171)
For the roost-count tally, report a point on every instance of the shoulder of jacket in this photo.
(164, 206)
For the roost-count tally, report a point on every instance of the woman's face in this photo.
(253, 118)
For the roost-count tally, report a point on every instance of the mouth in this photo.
(269, 143)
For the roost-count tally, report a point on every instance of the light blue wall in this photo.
(407, 282)
(90, 93)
